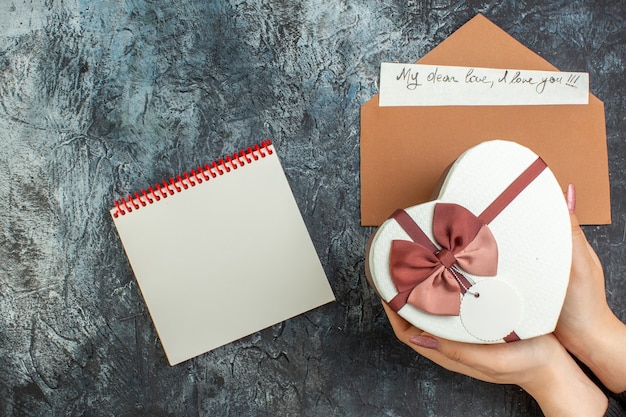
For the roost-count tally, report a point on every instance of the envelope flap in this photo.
(481, 43)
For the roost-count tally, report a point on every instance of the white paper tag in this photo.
(490, 310)
(439, 85)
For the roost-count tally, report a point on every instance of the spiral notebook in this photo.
(220, 252)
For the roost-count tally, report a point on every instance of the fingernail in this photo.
(425, 341)
(571, 198)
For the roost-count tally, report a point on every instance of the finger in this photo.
(580, 244)
(426, 344)
(579, 240)
(499, 362)
(570, 198)
(468, 354)
(454, 356)
(402, 328)
(409, 334)
(582, 251)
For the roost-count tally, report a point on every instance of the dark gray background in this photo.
(101, 98)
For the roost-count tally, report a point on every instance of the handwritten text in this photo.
(414, 84)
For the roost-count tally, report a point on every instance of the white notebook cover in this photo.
(222, 259)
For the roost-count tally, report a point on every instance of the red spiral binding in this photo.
(135, 201)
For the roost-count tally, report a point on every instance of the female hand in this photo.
(587, 327)
(541, 366)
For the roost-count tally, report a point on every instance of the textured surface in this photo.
(101, 98)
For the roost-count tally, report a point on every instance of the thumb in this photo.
(582, 251)
(578, 236)
(466, 354)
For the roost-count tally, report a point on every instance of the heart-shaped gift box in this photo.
(488, 261)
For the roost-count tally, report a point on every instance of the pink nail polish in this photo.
(425, 341)
(571, 198)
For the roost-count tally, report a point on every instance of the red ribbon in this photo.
(424, 276)
(425, 279)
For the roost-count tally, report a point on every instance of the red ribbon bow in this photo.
(425, 279)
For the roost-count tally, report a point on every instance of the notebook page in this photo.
(223, 259)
